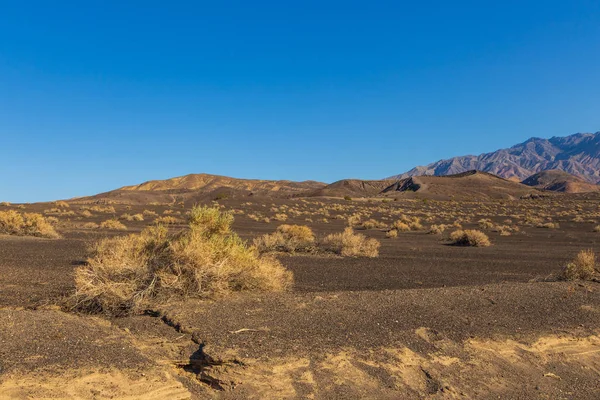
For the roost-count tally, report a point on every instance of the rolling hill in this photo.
(201, 187)
(560, 181)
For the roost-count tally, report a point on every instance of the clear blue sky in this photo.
(99, 94)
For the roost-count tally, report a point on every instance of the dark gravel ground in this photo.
(418, 282)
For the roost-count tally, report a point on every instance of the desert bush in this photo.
(126, 217)
(287, 238)
(437, 229)
(137, 217)
(354, 220)
(167, 220)
(485, 223)
(582, 267)
(105, 209)
(280, 217)
(130, 273)
(469, 238)
(392, 233)
(113, 224)
(61, 204)
(86, 214)
(27, 224)
(149, 213)
(372, 224)
(351, 244)
(401, 226)
(415, 224)
(52, 220)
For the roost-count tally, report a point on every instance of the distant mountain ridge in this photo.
(577, 154)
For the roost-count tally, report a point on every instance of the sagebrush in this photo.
(130, 273)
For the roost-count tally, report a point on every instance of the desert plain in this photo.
(423, 319)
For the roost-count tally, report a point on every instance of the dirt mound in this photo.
(560, 181)
(353, 188)
(470, 185)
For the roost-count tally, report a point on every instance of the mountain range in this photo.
(577, 154)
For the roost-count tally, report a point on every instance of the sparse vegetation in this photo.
(582, 267)
(392, 233)
(167, 220)
(113, 224)
(27, 224)
(351, 244)
(287, 238)
(126, 274)
(469, 238)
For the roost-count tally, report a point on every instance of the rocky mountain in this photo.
(578, 154)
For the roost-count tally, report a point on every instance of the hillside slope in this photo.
(560, 181)
(470, 185)
(201, 187)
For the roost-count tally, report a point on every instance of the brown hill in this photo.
(353, 188)
(470, 185)
(560, 181)
(200, 187)
(207, 183)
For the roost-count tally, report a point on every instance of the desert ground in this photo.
(423, 319)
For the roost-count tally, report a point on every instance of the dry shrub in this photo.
(52, 220)
(61, 204)
(392, 233)
(469, 238)
(287, 238)
(86, 214)
(130, 273)
(280, 217)
(415, 225)
(350, 244)
(101, 209)
(27, 224)
(149, 213)
(354, 220)
(437, 229)
(485, 223)
(126, 217)
(167, 220)
(401, 226)
(372, 224)
(582, 267)
(137, 217)
(113, 224)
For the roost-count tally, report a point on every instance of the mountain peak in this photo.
(577, 154)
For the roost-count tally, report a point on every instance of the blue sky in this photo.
(99, 94)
